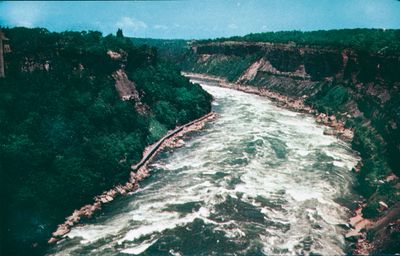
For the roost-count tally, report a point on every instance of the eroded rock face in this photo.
(127, 90)
(319, 62)
(125, 87)
(372, 79)
(229, 48)
(368, 82)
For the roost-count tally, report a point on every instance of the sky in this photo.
(199, 19)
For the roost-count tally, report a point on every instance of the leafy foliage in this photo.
(329, 99)
(371, 210)
(376, 40)
(172, 50)
(119, 33)
(65, 135)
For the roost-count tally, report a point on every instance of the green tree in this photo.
(119, 33)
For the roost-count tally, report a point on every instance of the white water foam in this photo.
(256, 158)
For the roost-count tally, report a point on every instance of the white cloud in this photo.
(25, 14)
(233, 26)
(162, 27)
(130, 24)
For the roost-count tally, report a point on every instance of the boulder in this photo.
(346, 226)
(129, 186)
(52, 240)
(61, 230)
(120, 190)
(329, 132)
(111, 193)
(391, 177)
(353, 236)
(383, 206)
(179, 143)
(69, 223)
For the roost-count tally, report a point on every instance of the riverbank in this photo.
(358, 225)
(138, 172)
(257, 180)
(296, 104)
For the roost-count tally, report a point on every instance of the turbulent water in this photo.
(257, 180)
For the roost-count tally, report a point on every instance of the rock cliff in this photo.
(361, 88)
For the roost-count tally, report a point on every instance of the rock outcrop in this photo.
(314, 62)
(127, 90)
(355, 92)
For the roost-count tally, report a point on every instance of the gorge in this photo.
(258, 179)
(341, 81)
(301, 159)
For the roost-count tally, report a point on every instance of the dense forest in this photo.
(65, 134)
(172, 50)
(375, 40)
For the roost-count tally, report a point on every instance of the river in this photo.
(257, 180)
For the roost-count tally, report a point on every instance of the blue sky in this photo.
(201, 19)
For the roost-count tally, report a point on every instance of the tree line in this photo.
(65, 135)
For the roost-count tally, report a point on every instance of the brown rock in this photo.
(179, 143)
(383, 205)
(120, 190)
(111, 193)
(62, 230)
(391, 177)
(329, 132)
(353, 235)
(129, 186)
(52, 240)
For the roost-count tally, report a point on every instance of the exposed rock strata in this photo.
(319, 62)
(127, 90)
(297, 72)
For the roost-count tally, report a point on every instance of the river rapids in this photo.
(257, 180)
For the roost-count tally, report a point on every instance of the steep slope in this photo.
(359, 85)
(77, 110)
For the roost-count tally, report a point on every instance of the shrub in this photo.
(371, 210)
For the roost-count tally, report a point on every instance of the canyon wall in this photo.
(360, 88)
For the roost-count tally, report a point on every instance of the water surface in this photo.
(257, 180)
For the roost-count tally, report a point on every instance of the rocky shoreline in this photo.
(139, 172)
(357, 224)
(295, 104)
